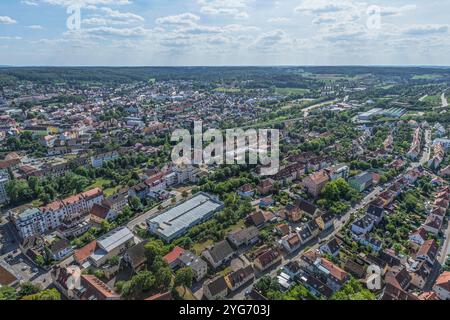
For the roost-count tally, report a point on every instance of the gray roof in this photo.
(189, 259)
(220, 251)
(114, 238)
(185, 214)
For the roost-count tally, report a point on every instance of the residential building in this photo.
(267, 259)
(442, 286)
(4, 179)
(189, 259)
(215, 289)
(361, 181)
(220, 253)
(244, 237)
(238, 278)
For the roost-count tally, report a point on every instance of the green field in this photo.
(426, 77)
(291, 91)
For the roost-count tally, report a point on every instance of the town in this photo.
(357, 210)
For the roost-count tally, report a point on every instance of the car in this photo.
(35, 270)
(24, 268)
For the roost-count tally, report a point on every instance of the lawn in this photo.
(185, 293)
(236, 227)
(291, 91)
(200, 247)
(100, 183)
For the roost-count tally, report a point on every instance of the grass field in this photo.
(291, 91)
(426, 77)
(200, 247)
(228, 90)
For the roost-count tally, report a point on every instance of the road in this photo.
(444, 100)
(319, 105)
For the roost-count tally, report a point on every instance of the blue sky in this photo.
(225, 32)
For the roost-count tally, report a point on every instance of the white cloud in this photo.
(7, 20)
(180, 19)
(233, 8)
(35, 27)
(421, 30)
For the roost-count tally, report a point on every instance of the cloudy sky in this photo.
(224, 32)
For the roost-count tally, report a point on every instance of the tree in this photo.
(353, 290)
(135, 203)
(8, 293)
(28, 288)
(184, 194)
(184, 277)
(153, 249)
(49, 294)
(163, 278)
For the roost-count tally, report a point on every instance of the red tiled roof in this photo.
(173, 255)
(82, 254)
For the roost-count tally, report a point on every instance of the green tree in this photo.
(49, 294)
(184, 277)
(8, 293)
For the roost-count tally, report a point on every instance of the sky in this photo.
(224, 32)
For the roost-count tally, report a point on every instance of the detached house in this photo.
(442, 286)
(218, 254)
(291, 242)
(215, 289)
(267, 259)
(240, 277)
(244, 237)
(315, 182)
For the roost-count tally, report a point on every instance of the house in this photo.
(419, 236)
(60, 249)
(215, 289)
(371, 242)
(325, 221)
(332, 247)
(172, 257)
(390, 258)
(246, 191)
(220, 253)
(135, 256)
(307, 208)
(82, 255)
(265, 186)
(266, 202)
(442, 286)
(361, 181)
(244, 237)
(7, 277)
(304, 233)
(189, 259)
(313, 228)
(291, 242)
(376, 213)
(260, 217)
(292, 268)
(315, 182)
(335, 276)
(419, 271)
(292, 213)
(88, 288)
(102, 212)
(282, 229)
(362, 225)
(399, 278)
(238, 278)
(428, 251)
(267, 259)
(356, 268)
(393, 292)
(316, 286)
(432, 225)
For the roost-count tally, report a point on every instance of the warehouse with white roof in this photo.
(174, 222)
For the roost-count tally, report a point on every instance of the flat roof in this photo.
(185, 214)
(114, 238)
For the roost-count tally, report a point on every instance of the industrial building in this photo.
(175, 221)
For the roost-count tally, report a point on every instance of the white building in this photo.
(4, 179)
(29, 221)
(99, 160)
